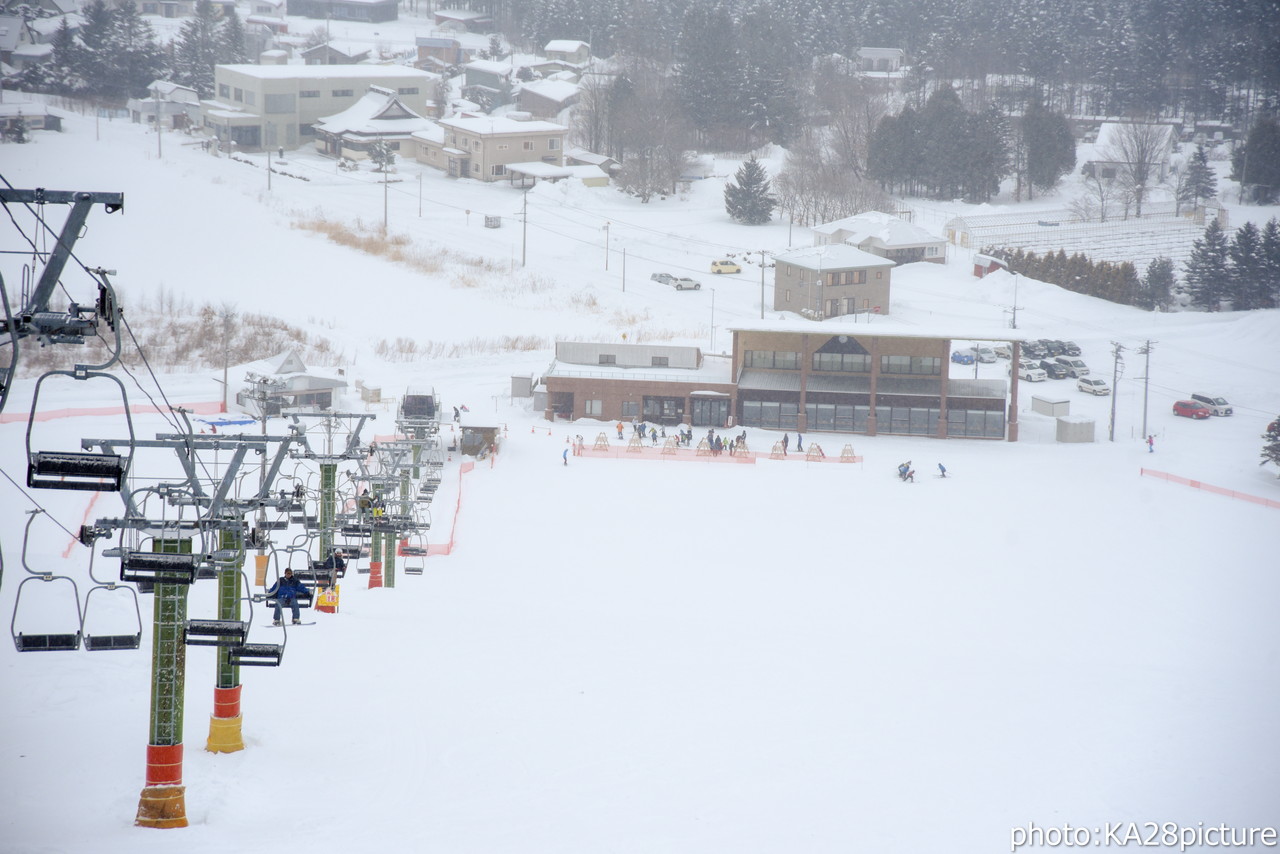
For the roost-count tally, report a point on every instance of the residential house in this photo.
(369, 11)
(487, 82)
(181, 8)
(19, 118)
(27, 43)
(377, 117)
(881, 59)
(577, 156)
(831, 281)
(482, 147)
(269, 8)
(173, 102)
(1152, 141)
(885, 235)
(835, 378)
(436, 53)
(985, 265)
(336, 53)
(546, 99)
(464, 20)
(277, 106)
(568, 50)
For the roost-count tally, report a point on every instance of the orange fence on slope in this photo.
(446, 548)
(1208, 487)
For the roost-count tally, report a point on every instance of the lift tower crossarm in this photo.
(80, 203)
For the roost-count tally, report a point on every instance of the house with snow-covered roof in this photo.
(831, 280)
(1121, 143)
(367, 11)
(571, 51)
(885, 235)
(487, 82)
(379, 116)
(546, 99)
(337, 53)
(482, 147)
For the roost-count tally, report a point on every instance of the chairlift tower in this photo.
(217, 512)
(328, 458)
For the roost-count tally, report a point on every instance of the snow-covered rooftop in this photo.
(378, 111)
(488, 125)
(553, 90)
(325, 72)
(889, 230)
(832, 256)
(564, 45)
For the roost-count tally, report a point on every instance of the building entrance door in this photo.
(710, 412)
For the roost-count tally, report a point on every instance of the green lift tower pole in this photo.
(163, 802)
(225, 724)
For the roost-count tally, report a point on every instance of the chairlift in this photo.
(246, 654)
(415, 555)
(42, 641)
(81, 470)
(127, 640)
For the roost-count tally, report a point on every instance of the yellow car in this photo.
(725, 267)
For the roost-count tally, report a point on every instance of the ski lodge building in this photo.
(842, 378)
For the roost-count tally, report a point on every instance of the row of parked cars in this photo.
(1202, 406)
(684, 283)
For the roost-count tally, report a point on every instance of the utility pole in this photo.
(385, 171)
(606, 247)
(419, 194)
(1013, 323)
(268, 169)
(1117, 362)
(524, 227)
(159, 145)
(1145, 350)
(624, 269)
(713, 320)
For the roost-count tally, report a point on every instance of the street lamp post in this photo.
(606, 247)
(713, 320)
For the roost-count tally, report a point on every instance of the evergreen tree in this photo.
(1270, 244)
(1256, 164)
(382, 156)
(197, 50)
(709, 73)
(1050, 147)
(749, 200)
(1200, 184)
(1157, 285)
(136, 58)
(1271, 444)
(1247, 285)
(231, 41)
(1206, 272)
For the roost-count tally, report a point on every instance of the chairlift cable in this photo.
(40, 506)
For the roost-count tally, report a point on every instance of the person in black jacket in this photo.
(288, 589)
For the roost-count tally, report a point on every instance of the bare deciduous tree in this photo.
(1137, 150)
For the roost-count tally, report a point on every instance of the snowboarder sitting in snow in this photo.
(287, 589)
(903, 469)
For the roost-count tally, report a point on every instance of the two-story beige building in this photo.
(277, 106)
(482, 147)
(832, 280)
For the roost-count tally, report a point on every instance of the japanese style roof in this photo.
(379, 111)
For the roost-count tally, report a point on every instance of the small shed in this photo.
(1075, 429)
(522, 385)
(985, 265)
(1047, 406)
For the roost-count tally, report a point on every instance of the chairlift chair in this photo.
(127, 640)
(81, 470)
(42, 641)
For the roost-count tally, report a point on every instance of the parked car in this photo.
(664, 278)
(1034, 350)
(1070, 348)
(1054, 370)
(1003, 351)
(983, 354)
(1217, 405)
(1191, 409)
(685, 284)
(1031, 373)
(1075, 367)
(1093, 385)
(961, 358)
(1053, 348)
(725, 266)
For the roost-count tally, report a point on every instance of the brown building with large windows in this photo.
(829, 380)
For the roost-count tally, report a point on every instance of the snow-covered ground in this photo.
(633, 656)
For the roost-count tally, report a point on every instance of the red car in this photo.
(1191, 409)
